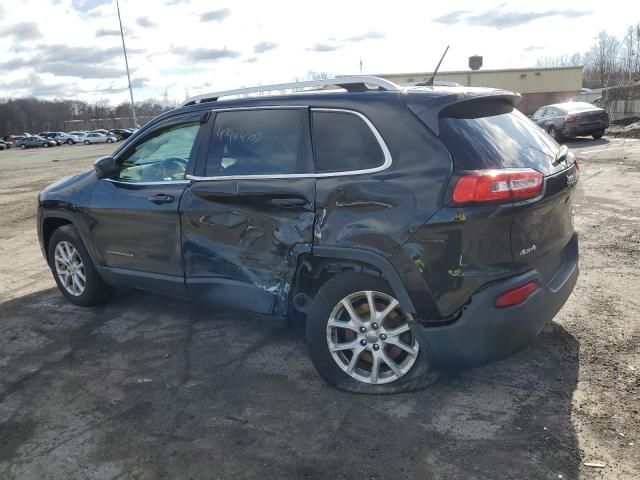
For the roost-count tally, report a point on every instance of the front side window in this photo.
(260, 142)
(343, 142)
(162, 156)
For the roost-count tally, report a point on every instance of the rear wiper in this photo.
(561, 155)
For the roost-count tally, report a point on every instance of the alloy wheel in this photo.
(369, 337)
(70, 268)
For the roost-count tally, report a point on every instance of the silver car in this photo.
(97, 138)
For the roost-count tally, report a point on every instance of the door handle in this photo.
(161, 198)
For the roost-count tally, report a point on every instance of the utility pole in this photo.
(126, 62)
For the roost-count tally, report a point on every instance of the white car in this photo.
(67, 138)
(89, 138)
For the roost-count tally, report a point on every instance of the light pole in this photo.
(126, 62)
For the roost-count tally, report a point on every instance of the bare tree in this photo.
(602, 58)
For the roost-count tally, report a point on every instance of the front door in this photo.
(135, 220)
(249, 213)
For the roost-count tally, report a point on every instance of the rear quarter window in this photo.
(343, 142)
(496, 136)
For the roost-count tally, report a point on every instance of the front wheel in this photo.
(598, 135)
(70, 141)
(45, 145)
(109, 140)
(23, 147)
(360, 339)
(73, 270)
(87, 142)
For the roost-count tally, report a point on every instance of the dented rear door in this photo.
(250, 212)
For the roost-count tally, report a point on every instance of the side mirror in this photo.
(106, 167)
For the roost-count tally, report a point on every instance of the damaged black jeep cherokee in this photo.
(416, 229)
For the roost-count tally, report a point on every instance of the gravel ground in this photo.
(151, 387)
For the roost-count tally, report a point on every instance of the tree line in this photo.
(32, 115)
(610, 60)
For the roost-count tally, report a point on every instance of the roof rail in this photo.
(355, 83)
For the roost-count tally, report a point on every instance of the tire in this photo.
(87, 142)
(109, 140)
(598, 135)
(555, 134)
(415, 370)
(45, 145)
(95, 291)
(70, 141)
(23, 146)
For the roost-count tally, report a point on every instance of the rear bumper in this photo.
(589, 129)
(485, 333)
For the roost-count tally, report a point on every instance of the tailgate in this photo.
(542, 229)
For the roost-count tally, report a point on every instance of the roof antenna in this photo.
(429, 83)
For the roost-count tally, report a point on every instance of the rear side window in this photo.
(260, 142)
(344, 142)
(496, 136)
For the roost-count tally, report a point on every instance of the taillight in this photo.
(573, 160)
(503, 185)
(571, 119)
(516, 296)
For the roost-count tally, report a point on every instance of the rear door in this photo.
(249, 212)
(498, 137)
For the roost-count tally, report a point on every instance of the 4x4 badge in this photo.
(526, 251)
(572, 180)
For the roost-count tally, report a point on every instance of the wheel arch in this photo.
(50, 225)
(324, 262)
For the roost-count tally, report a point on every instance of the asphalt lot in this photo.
(151, 387)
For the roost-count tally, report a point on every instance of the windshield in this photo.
(505, 140)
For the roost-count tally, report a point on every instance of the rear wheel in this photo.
(23, 146)
(45, 145)
(69, 141)
(109, 140)
(87, 142)
(73, 269)
(360, 339)
(598, 135)
(555, 134)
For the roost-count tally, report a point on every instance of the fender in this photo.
(389, 273)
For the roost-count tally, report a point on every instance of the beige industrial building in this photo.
(538, 86)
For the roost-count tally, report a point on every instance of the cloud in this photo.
(323, 47)
(21, 31)
(450, 18)
(73, 69)
(499, 18)
(86, 55)
(35, 87)
(215, 15)
(144, 22)
(373, 35)
(264, 46)
(135, 83)
(107, 32)
(1, 12)
(250, 60)
(532, 48)
(85, 5)
(205, 54)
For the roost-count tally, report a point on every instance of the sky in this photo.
(72, 48)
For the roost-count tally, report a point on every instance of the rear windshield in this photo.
(496, 136)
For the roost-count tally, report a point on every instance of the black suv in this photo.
(415, 229)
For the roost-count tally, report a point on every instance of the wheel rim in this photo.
(369, 338)
(70, 269)
(552, 132)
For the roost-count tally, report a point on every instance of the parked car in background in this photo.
(121, 133)
(97, 138)
(77, 133)
(50, 136)
(35, 141)
(16, 138)
(100, 130)
(572, 119)
(5, 145)
(61, 137)
(413, 228)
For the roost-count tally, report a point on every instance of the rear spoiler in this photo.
(428, 103)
